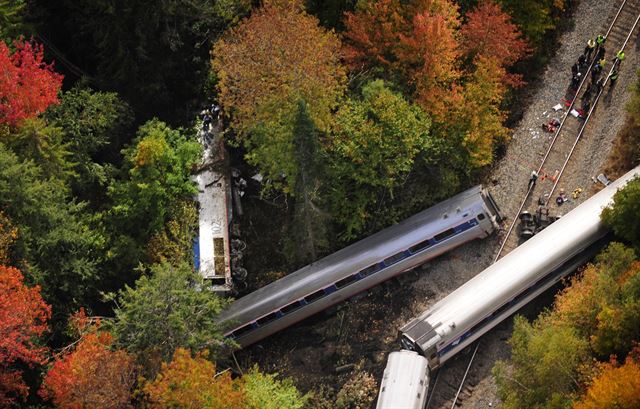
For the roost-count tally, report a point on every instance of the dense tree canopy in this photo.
(615, 386)
(489, 33)
(94, 126)
(376, 140)
(170, 308)
(154, 52)
(55, 244)
(156, 175)
(11, 18)
(265, 65)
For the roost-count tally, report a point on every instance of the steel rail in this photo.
(542, 163)
(595, 104)
(553, 140)
(464, 377)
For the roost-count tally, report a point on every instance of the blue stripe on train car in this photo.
(381, 266)
(196, 253)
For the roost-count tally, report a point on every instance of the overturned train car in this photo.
(469, 215)
(507, 285)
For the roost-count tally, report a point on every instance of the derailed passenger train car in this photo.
(501, 289)
(469, 215)
(404, 382)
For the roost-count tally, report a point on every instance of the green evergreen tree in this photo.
(169, 308)
(308, 233)
(58, 246)
(94, 127)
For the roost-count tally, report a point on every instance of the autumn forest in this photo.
(356, 114)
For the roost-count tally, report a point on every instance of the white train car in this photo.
(212, 253)
(405, 381)
(517, 278)
(467, 216)
(212, 256)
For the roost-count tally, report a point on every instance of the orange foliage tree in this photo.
(266, 65)
(91, 376)
(428, 58)
(189, 382)
(489, 33)
(27, 84)
(615, 386)
(372, 34)
(23, 318)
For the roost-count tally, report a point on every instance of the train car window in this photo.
(395, 258)
(346, 281)
(480, 216)
(445, 234)
(242, 330)
(291, 307)
(268, 318)
(374, 268)
(314, 296)
(420, 246)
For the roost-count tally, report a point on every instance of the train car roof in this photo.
(355, 257)
(515, 271)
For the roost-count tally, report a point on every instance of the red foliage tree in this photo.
(489, 33)
(92, 376)
(23, 318)
(27, 84)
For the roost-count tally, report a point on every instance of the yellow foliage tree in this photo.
(191, 383)
(615, 387)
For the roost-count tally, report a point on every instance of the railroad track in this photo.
(554, 162)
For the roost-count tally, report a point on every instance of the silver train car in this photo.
(520, 276)
(404, 383)
(469, 215)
